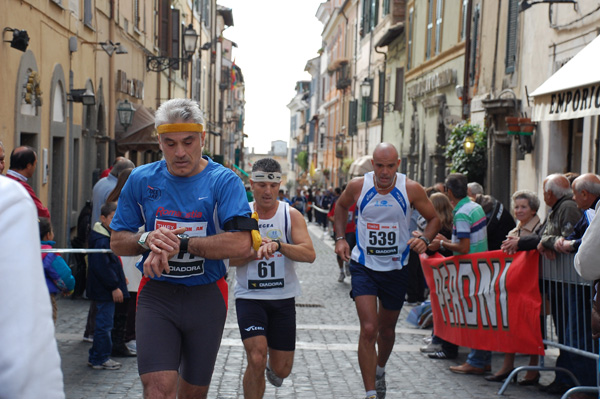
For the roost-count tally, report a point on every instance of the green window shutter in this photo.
(511, 36)
(175, 35)
(399, 89)
(352, 116)
(381, 95)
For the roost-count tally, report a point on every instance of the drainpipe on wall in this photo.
(465, 94)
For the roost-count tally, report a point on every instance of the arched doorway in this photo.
(28, 112)
(57, 193)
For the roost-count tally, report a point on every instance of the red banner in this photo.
(488, 300)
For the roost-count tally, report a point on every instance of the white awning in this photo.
(361, 166)
(573, 91)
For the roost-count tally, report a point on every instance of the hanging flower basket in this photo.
(512, 124)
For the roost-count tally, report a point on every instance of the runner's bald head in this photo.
(385, 150)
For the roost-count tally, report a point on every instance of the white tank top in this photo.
(382, 226)
(274, 278)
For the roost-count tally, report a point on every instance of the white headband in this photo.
(271, 177)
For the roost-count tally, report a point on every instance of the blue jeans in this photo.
(102, 346)
(477, 358)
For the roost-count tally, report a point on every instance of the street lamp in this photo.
(365, 91)
(159, 64)
(84, 96)
(125, 111)
(469, 144)
(190, 39)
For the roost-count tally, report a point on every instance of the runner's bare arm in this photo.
(418, 198)
(300, 250)
(125, 243)
(231, 244)
(349, 196)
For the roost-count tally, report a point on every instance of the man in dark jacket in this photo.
(106, 285)
(498, 218)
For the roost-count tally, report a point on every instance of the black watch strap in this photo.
(183, 242)
(278, 244)
(425, 239)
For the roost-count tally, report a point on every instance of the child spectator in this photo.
(106, 285)
(58, 274)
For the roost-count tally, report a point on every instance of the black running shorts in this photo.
(275, 319)
(180, 328)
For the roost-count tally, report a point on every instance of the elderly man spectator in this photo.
(23, 161)
(586, 192)
(561, 220)
(473, 190)
(105, 186)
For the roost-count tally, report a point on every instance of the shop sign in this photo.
(431, 83)
(132, 87)
(568, 104)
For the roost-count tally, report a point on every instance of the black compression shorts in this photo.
(180, 328)
(275, 319)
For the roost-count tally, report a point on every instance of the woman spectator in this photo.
(437, 347)
(523, 237)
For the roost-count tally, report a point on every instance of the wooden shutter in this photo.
(398, 96)
(163, 41)
(511, 36)
(87, 13)
(352, 116)
(175, 37)
(381, 95)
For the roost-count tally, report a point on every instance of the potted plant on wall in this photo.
(473, 166)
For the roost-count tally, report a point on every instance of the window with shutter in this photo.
(381, 95)
(430, 7)
(463, 25)
(87, 13)
(352, 116)
(386, 7)
(409, 50)
(474, 44)
(366, 17)
(136, 14)
(163, 43)
(511, 36)
(374, 13)
(438, 26)
(175, 37)
(399, 89)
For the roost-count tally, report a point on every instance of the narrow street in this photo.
(326, 364)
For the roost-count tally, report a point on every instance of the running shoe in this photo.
(380, 386)
(272, 377)
(341, 277)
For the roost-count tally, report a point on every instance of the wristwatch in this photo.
(442, 244)
(184, 240)
(340, 238)
(278, 244)
(142, 240)
(425, 239)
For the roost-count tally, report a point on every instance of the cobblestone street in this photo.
(326, 364)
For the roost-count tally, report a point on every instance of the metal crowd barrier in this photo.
(76, 251)
(566, 321)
